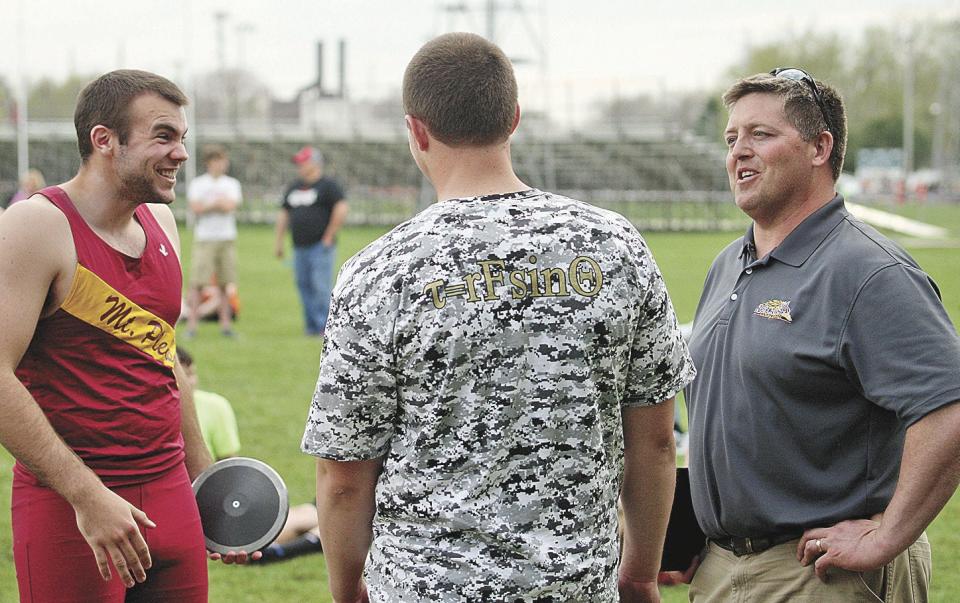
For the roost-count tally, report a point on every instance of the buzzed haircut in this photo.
(801, 109)
(463, 88)
(106, 101)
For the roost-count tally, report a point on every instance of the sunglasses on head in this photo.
(799, 75)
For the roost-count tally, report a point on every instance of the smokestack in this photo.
(319, 83)
(343, 68)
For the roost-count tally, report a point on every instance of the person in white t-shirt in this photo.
(213, 198)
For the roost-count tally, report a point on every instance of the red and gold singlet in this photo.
(101, 367)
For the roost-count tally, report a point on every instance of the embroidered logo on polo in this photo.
(582, 276)
(774, 309)
(98, 304)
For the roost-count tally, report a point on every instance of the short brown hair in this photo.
(463, 88)
(106, 101)
(212, 152)
(185, 357)
(801, 108)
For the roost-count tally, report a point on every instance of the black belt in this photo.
(746, 546)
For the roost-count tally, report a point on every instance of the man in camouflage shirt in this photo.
(498, 370)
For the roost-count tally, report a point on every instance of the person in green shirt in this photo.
(218, 423)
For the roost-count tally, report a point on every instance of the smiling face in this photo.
(147, 164)
(769, 165)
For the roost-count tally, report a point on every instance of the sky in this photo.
(568, 53)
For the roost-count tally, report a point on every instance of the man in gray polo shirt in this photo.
(824, 437)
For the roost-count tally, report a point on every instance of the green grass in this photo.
(269, 372)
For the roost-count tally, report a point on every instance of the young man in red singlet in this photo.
(90, 286)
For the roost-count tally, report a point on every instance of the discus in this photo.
(684, 539)
(243, 505)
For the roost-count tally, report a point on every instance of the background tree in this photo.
(7, 102)
(231, 95)
(50, 99)
(869, 73)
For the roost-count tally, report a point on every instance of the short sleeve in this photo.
(226, 436)
(336, 192)
(354, 406)
(237, 191)
(660, 364)
(899, 346)
(194, 189)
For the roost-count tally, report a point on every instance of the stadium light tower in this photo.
(531, 41)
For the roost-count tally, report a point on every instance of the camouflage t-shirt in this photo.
(486, 347)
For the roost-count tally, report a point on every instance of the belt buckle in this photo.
(742, 546)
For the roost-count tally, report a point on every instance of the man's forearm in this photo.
(227, 204)
(649, 479)
(27, 434)
(280, 229)
(345, 509)
(337, 218)
(646, 497)
(929, 475)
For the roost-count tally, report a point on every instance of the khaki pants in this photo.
(213, 258)
(776, 575)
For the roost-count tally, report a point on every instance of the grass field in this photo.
(269, 372)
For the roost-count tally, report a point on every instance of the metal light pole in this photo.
(221, 16)
(23, 142)
(225, 80)
(492, 20)
(908, 85)
(191, 90)
(243, 29)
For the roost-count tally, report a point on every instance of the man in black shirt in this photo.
(314, 209)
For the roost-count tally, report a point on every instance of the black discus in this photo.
(243, 504)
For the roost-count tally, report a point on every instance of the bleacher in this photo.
(384, 185)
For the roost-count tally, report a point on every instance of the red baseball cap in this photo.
(308, 153)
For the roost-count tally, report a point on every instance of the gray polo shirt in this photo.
(812, 363)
